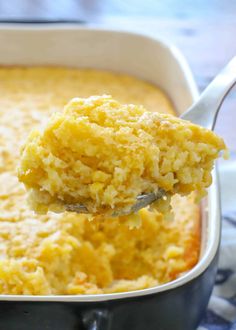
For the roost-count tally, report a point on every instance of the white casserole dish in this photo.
(153, 60)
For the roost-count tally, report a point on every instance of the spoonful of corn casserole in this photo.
(102, 157)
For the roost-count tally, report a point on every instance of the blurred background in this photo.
(203, 30)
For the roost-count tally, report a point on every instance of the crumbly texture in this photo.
(102, 154)
(66, 253)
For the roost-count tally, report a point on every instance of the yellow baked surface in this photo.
(66, 253)
(103, 154)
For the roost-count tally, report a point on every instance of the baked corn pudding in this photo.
(66, 253)
(102, 154)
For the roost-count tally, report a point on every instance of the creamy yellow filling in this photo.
(65, 253)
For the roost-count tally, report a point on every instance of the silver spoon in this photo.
(203, 112)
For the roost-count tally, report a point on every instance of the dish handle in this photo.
(96, 319)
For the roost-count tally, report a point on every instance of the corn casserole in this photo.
(66, 253)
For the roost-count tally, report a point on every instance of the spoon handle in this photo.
(204, 112)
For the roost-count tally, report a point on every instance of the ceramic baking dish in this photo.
(178, 305)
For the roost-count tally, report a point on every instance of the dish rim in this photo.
(212, 210)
